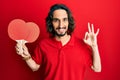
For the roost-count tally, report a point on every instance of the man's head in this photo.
(59, 20)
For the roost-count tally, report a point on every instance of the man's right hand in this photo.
(22, 50)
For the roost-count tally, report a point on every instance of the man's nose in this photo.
(61, 24)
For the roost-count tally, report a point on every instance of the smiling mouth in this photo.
(60, 31)
(61, 28)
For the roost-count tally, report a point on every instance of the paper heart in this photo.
(20, 30)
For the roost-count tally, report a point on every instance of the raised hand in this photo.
(90, 36)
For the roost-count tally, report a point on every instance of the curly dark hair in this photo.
(49, 19)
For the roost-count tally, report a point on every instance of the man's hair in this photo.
(49, 19)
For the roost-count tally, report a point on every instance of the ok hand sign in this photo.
(90, 36)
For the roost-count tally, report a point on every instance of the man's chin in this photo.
(61, 35)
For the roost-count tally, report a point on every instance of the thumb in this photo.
(85, 41)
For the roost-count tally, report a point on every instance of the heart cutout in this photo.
(18, 29)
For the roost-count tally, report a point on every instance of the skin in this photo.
(60, 24)
(91, 40)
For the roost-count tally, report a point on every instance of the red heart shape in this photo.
(20, 30)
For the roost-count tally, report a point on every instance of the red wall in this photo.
(105, 14)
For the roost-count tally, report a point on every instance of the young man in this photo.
(63, 56)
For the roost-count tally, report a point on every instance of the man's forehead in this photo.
(60, 13)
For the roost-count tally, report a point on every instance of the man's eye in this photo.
(65, 19)
(55, 20)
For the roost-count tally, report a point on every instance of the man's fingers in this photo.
(86, 34)
(89, 30)
(84, 41)
(85, 37)
(97, 31)
(92, 28)
(19, 48)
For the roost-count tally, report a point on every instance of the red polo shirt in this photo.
(59, 62)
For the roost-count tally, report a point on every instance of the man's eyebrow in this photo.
(65, 18)
(55, 18)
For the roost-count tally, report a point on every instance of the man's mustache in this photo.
(61, 28)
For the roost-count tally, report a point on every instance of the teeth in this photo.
(61, 29)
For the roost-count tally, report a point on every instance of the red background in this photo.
(104, 14)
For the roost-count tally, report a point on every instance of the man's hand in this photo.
(22, 50)
(91, 39)
(90, 36)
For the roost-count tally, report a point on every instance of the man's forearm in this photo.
(96, 59)
(32, 64)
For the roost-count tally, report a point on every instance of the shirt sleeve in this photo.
(88, 57)
(37, 56)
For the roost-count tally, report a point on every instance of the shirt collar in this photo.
(70, 42)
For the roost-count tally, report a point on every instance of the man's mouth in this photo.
(61, 28)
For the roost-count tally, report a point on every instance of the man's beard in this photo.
(60, 34)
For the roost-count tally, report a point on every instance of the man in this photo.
(62, 56)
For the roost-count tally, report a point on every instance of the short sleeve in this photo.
(88, 57)
(37, 56)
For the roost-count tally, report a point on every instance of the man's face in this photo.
(60, 22)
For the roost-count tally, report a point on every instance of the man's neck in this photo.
(64, 39)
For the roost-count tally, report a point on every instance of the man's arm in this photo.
(21, 47)
(32, 64)
(91, 40)
(96, 59)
